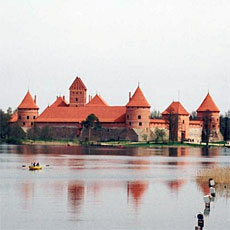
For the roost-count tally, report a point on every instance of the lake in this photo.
(109, 188)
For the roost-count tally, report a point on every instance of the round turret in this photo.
(27, 111)
(138, 111)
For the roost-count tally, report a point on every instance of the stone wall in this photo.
(152, 135)
(109, 134)
(195, 134)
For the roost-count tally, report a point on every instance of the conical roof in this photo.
(138, 99)
(97, 101)
(28, 102)
(78, 84)
(175, 108)
(208, 104)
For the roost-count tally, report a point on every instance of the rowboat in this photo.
(35, 167)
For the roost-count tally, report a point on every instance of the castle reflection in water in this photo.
(78, 192)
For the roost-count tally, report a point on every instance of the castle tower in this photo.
(209, 113)
(27, 111)
(138, 111)
(178, 121)
(77, 93)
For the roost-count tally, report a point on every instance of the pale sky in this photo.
(168, 46)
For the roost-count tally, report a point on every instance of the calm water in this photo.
(109, 188)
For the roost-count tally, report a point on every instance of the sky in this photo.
(176, 50)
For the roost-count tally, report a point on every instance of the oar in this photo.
(23, 165)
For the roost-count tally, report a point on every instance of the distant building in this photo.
(129, 122)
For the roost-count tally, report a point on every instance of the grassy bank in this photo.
(54, 142)
(111, 143)
(154, 144)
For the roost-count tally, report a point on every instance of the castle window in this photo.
(140, 123)
(23, 123)
(20, 117)
(76, 99)
(183, 121)
(32, 123)
(213, 126)
(34, 117)
(130, 123)
(127, 116)
(139, 116)
(28, 117)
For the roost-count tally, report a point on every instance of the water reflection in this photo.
(93, 188)
(136, 190)
(176, 185)
(76, 190)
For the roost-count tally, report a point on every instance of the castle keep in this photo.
(129, 122)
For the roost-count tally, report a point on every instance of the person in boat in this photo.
(37, 164)
(34, 164)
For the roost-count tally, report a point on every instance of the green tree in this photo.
(206, 132)
(16, 134)
(193, 115)
(34, 133)
(159, 134)
(225, 126)
(4, 124)
(91, 122)
(46, 133)
(155, 114)
(173, 125)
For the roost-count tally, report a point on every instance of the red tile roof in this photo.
(14, 117)
(78, 84)
(78, 114)
(158, 121)
(28, 102)
(208, 105)
(195, 122)
(97, 101)
(60, 102)
(138, 99)
(176, 108)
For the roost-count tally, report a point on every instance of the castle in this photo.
(129, 122)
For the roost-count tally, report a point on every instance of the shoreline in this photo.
(122, 144)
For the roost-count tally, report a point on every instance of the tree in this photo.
(34, 133)
(225, 126)
(46, 133)
(206, 127)
(91, 122)
(155, 114)
(16, 132)
(173, 125)
(193, 115)
(159, 134)
(4, 123)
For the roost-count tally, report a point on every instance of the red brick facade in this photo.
(135, 115)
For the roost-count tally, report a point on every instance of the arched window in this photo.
(76, 99)
(140, 123)
(139, 116)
